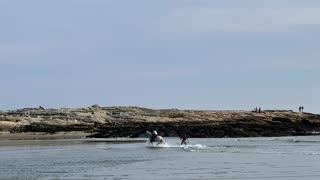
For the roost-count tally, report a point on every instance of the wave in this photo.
(291, 140)
(301, 141)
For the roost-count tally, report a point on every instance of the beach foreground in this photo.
(276, 158)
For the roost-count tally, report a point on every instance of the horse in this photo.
(158, 139)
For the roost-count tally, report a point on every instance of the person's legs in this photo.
(183, 142)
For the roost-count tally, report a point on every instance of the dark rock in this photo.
(95, 106)
(135, 121)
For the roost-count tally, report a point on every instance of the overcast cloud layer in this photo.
(212, 54)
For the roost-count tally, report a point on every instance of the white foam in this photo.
(162, 145)
(195, 148)
(190, 147)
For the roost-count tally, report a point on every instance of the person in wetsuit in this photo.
(184, 139)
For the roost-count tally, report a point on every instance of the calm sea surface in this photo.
(287, 158)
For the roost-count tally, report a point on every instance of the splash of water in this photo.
(189, 147)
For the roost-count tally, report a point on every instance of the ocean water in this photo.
(283, 158)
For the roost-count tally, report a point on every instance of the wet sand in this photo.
(54, 139)
(42, 135)
(42, 139)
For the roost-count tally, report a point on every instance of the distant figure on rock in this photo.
(300, 108)
(259, 110)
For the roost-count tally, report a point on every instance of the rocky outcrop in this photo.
(134, 121)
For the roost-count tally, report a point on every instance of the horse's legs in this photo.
(160, 142)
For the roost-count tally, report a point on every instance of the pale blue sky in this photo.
(200, 54)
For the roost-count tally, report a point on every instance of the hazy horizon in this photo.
(202, 55)
(132, 106)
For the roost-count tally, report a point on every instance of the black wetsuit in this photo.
(184, 139)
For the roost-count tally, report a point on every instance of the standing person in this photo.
(184, 139)
(259, 109)
(301, 108)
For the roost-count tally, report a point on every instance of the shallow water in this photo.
(227, 158)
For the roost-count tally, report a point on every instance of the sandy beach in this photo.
(42, 135)
(53, 139)
(27, 138)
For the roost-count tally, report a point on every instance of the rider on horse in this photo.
(153, 136)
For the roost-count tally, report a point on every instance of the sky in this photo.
(184, 54)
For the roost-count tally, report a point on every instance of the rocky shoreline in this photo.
(108, 122)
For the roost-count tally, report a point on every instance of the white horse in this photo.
(158, 139)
